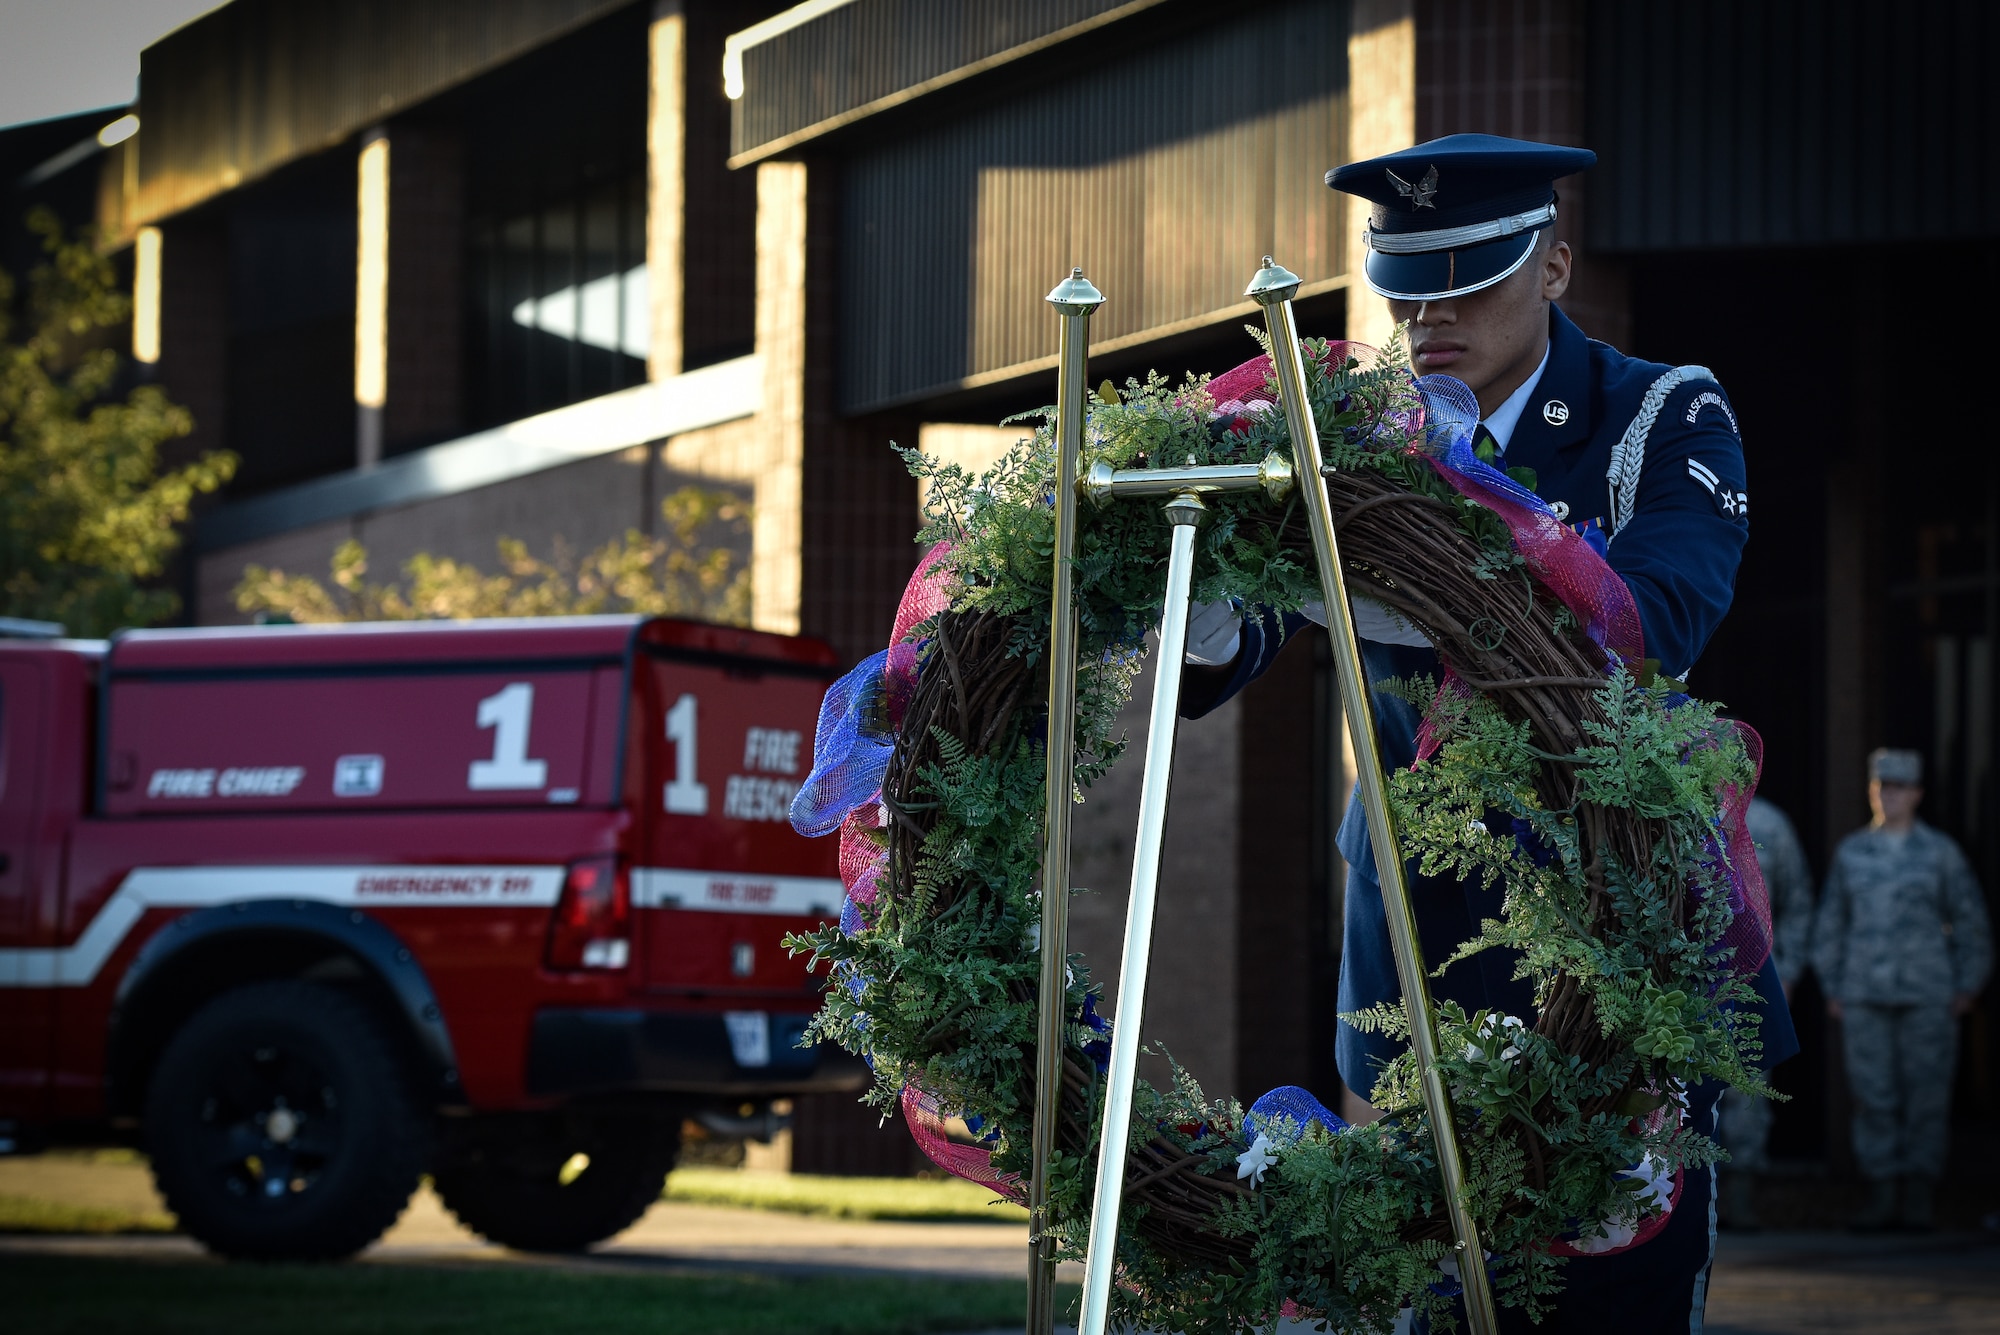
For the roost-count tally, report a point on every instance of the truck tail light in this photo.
(593, 922)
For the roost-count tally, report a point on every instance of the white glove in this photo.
(1215, 633)
(1373, 621)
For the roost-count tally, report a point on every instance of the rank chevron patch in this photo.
(1735, 504)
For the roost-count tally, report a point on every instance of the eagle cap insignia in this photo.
(1420, 194)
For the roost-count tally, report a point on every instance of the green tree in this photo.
(88, 520)
(689, 570)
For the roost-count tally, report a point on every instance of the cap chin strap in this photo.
(1458, 238)
(1466, 291)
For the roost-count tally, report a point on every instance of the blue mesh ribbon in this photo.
(1451, 419)
(1283, 1113)
(1097, 1049)
(851, 750)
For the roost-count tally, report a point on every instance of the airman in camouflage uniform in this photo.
(1745, 1127)
(1902, 947)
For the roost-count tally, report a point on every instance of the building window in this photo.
(560, 302)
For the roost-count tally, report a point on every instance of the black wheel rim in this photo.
(269, 1125)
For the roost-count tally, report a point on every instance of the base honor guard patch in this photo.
(1734, 504)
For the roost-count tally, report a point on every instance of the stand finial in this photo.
(1075, 295)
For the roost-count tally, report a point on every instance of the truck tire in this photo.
(556, 1181)
(281, 1125)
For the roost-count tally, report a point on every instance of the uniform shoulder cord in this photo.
(1628, 456)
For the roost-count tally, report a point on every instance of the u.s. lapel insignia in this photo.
(1555, 412)
(1420, 194)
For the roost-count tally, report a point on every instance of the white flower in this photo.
(1655, 1195)
(1253, 1161)
(1656, 1177)
(1610, 1236)
(1509, 1025)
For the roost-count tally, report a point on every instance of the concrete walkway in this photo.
(709, 1237)
(1809, 1283)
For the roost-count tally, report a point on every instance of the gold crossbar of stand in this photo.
(1103, 482)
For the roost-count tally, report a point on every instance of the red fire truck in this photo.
(311, 911)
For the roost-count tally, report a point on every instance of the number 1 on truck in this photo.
(685, 795)
(508, 714)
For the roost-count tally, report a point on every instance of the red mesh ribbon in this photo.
(1558, 557)
(929, 1128)
(862, 860)
(1242, 391)
(927, 594)
(1749, 934)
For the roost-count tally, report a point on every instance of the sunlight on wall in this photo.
(613, 312)
(146, 295)
(371, 291)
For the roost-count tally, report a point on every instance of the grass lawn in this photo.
(842, 1197)
(80, 1191)
(84, 1193)
(66, 1295)
(27, 1214)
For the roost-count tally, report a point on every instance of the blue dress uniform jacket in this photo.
(1654, 468)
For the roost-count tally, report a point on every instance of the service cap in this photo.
(1887, 765)
(1456, 214)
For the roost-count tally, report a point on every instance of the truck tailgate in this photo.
(720, 745)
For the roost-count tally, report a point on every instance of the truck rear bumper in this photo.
(588, 1051)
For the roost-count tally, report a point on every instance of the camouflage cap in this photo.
(1886, 765)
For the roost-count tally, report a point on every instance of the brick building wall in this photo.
(720, 206)
(859, 502)
(1517, 68)
(194, 331)
(426, 288)
(1286, 916)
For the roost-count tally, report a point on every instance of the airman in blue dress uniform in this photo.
(1644, 460)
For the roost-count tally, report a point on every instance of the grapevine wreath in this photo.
(1603, 801)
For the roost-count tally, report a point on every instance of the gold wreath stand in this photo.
(1075, 299)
